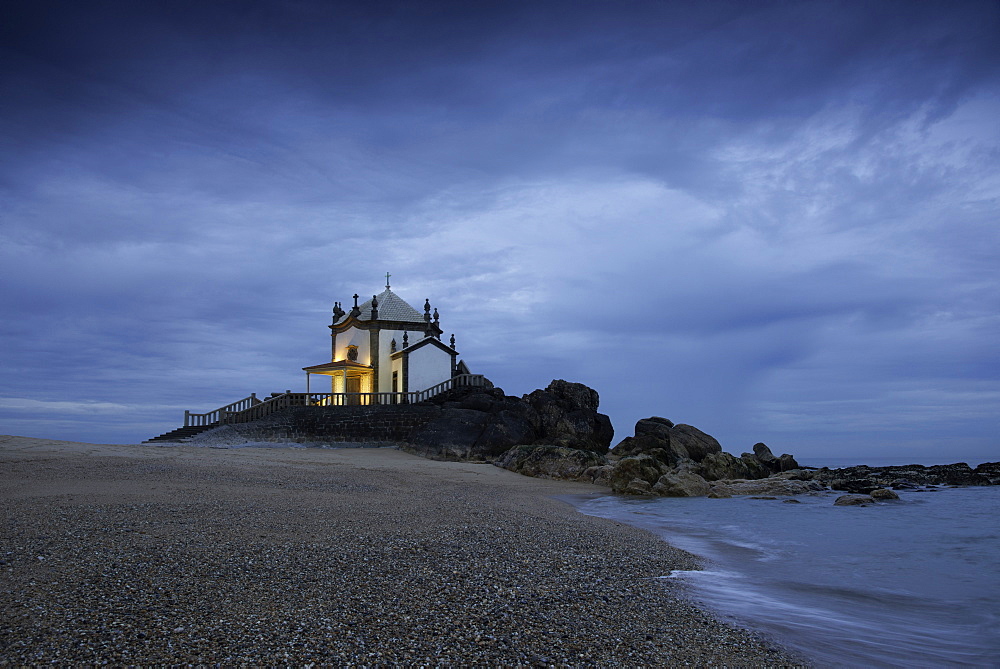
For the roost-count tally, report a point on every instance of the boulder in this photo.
(626, 470)
(681, 484)
(717, 466)
(854, 500)
(598, 475)
(673, 442)
(637, 487)
(883, 494)
(787, 463)
(755, 468)
(774, 465)
(566, 415)
(482, 423)
(550, 462)
(450, 436)
(694, 441)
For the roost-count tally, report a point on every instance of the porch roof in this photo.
(330, 368)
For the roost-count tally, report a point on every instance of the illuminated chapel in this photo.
(385, 345)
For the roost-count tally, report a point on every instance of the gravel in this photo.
(359, 557)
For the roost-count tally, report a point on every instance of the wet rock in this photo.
(637, 487)
(551, 462)
(643, 467)
(854, 500)
(598, 475)
(862, 479)
(883, 494)
(755, 468)
(770, 486)
(681, 484)
(716, 466)
(990, 471)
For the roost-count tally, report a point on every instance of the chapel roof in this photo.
(391, 307)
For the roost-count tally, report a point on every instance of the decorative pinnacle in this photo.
(387, 275)
(355, 300)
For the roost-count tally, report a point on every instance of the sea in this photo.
(908, 583)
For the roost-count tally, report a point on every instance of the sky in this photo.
(776, 221)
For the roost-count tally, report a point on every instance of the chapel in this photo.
(385, 345)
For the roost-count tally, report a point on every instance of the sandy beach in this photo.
(180, 554)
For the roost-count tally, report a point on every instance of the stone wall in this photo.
(365, 424)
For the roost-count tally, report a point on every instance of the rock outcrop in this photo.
(549, 462)
(681, 460)
(483, 423)
(862, 480)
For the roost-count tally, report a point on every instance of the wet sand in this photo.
(182, 554)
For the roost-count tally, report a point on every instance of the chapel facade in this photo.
(385, 345)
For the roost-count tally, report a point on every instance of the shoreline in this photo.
(139, 554)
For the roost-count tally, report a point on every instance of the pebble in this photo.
(231, 557)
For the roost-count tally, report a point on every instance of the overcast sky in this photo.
(777, 221)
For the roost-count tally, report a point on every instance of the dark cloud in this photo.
(773, 220)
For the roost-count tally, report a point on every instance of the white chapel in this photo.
(385, 345)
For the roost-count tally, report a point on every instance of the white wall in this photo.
(356, 337)
(385, 367)
(428, 366)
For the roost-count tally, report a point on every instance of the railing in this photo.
(251, 408)
(192, 419)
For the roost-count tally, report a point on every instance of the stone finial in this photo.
(406, 339)
(427, 310)
(374, 307)
(453, 340)
(338, 312)
(392, 345)
(436, 316)
(355, 312)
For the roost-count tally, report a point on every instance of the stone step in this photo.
(181, 433)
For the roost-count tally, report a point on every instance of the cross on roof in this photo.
(387, 275)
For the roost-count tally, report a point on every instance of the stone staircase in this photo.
(181, 433)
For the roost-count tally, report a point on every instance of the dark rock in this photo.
(764, 455)
(854, 500)
(567, 416)
(857, 486)
(755, 468)
(863, 479)
(883, 494)
(451, 436)
(694, 441)
(637, 487)
(598, 475)
(483, 423)
(786, 463)
(990, 471)
(641, 466)
(716, 466)
(681, 484)
(552, 462)
(764, 497)
(675, 441)
(772, 486)
(790, 501)
(478, 402)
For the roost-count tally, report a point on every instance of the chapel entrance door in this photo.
(353, 386)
